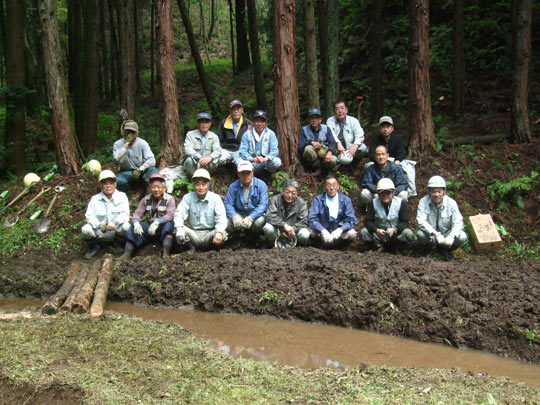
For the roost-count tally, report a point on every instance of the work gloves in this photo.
(136, 174)
(181, 236)
(153, 228)
(448, 241)
(109, 226)
(326, 237)
(439, 238)
(137, 229)
(237, 221)
(246, 223)
(336, 234)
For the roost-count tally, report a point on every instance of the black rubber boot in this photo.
(93, 248)
(128, 251)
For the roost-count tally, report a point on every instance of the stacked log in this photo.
(100, 294)
(81, 302)
(53, 304)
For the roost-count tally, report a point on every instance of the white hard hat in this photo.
(345, 157)
(31, 179)
(201, 174)
(385, 184)
(436, 181)
(94, 167)
(106, 174)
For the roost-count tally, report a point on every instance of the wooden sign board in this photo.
(484, 234)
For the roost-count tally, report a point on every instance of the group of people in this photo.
(202, 220)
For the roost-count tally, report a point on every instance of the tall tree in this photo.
(103, 53)
(242, 50)
(127, 60)
(376, 59)
(136, 25)
(422, 141)
(260, 90)
(521, 59)
(312, 76)
(285, 92)
(170, 151)
(67, 155)
(89, 98)
(75, 39)
(196, 55)
(458, 76)
(115, 52)
(152, 46)
(231, 25)
(212, 19)
(15, 95)
(329, 37)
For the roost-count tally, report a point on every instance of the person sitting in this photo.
(332, 218)
(201, 147)
(260, 147)
(246, 202)
(440, 224)
(107, 215)
(287, 215)
(200, 219)
(231, 130)
(317, 145)
(348, 134)
(383, 168)
(387, 219)
(134, 156)
(157, 208)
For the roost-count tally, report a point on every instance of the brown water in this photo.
(310, 345)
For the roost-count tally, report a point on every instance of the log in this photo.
(81, 276)
(102, 288)
(474, 139)
(83, 297)
(52, 305)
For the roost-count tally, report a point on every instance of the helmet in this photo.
(30, 179)
(321, 153)
(345, 158)
(436, 181)
(157, 176)
(284, 243)
(201, 174)
(385, 184)
(94, 167)
(106, 174)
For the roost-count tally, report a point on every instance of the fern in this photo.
(508, 193)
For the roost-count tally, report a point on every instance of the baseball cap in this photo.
(244, 166)
(314, 111)
(260, 114)
(204, 116)
(130, 126)
(235, 102)
(386, 119)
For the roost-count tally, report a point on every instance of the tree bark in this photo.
(323, 47)
(81, 302)
(102, 287)
(212, 19)
(89, 99)
(285, 92)
(77, 284)
(330, 36)
(312, 76)
(458, 76)
(67, 155)
(521, 58)
(127, 60)
(53, 303)
(15, 125)
(170, 151)
(2, 54)
(115, 53)
(231, 24)
(376, 60)
(75, 78)
(260, 89)
(103, 49)
(152, 47)
(422, 140)
(196, 55)
(136, 20)
(242, 55)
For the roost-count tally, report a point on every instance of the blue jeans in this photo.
(140, 240)
(124, 178)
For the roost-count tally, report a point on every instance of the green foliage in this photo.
(521, 250)
(278, 179)
(347, 184)
(443, 135)
(182, 186)
(532, 335)
(453, 185)
(508, 193)
(270, 296)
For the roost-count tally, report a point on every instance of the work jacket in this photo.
(381, 216)
(266, 146)
(395, 147)
(319, 217)
(392, 171)
(227, 137)
(193, 145)
(324, 136)
(257, 199)
(447, 219)
(353, 133)
(151, 209)
(279, 213)
(101, 210)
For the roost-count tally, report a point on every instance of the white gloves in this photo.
(336, 234)
(137, 229)
(448, 241)
(181, 234)
(237, 221)
(246, 223)
(439, 238)
(326, 237)
(153, 228)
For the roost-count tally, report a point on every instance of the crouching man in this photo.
(332, 218)
(200, 219)
(387, 220)
(287, 215)
(157, 209)
(245, 203)
(439, 221)
(107, 215)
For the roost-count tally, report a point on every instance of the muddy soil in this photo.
(57, 394)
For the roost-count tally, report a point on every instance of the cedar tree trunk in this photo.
(312, 77)
(127, 60)
(376, 60)
(260, 89)
(242, 54)
(458, 78)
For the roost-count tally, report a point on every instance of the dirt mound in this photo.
(57, 394)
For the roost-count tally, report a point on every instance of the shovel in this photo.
(12, 220)
(42, 224)
(15, 199)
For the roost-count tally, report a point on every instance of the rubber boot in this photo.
(167, 244)
(447, 255)
(119, 244)
(128, 251)
(93, 248)
(190, 248)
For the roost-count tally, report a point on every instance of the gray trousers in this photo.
(313, 160)
(271, 233)
(425, 239)
(405, 236)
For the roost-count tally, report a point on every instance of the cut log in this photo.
(53, 303)
(79, 281)
(102, 288)
(83, 297)
(465, 140)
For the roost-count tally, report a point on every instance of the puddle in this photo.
(310, 345)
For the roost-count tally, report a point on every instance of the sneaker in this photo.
(91, 252)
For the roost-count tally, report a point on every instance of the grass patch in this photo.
(124, 360)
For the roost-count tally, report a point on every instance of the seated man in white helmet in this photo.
(287, 215)
(157, 210)
(440, 224)
(387, 219)
(107, 215)
(200, 219)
